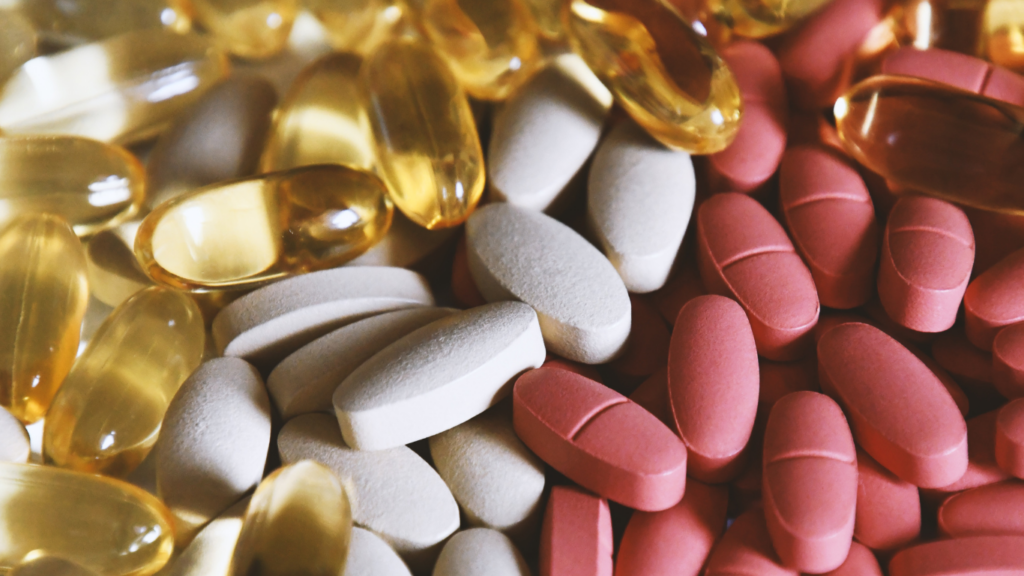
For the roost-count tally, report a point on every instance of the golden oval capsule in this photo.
(298, 524)
(90, 184)
(358, 26)
(1002, 33)
(665, 75)
(248, 28)
(428, 150)
(45, 294)
(246, 232)
(18, 42)
(548, 14)
(114, 273)
(106, 416)
(762, 18)
(124, 89)
(79, 21)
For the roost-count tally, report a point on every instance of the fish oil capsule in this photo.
(64, 22)
(428, 150)
(50, 566)
(298, 524)
(358, 26)
(45, 294)
(114, 272)
(762, 18)
(106, 416)
(104, 525)
(665, 75)
(247, 232)
(548, 14)
(248, 28)
(17, 42)
(1002, 33)
(124, 89)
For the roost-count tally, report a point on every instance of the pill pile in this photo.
(511, 287)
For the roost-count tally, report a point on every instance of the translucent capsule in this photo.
(1002, 33)
(90, 184)
(761, 18)
(248, 28)
(247, 232)
(124, 89)
(298, 524)
(548, 14)
(107, 415)
(358, 26)
(45, 294)
(665, 75)
(18, 42)
(114, 272)
(79, 21)
(104, 525)
(428, 150)
(50, 566)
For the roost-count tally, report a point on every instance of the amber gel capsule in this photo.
(248, 28)
(428, 150)
(1002, 33)
(298, 524)
(45, 294)
(358, 26)
(761, 18)
(18, 42)
(79, 21)
(106, 416)
(246, 232)
(665, 75)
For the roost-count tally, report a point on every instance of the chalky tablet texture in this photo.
(210, 551)
(480, 551)
(746, 550)
(974, 555)
(888, 509)
(1008, 361)
(14, 441)
(984, 511)
(368, 555)
(993, 300)
(576, 537)
(1010, 438)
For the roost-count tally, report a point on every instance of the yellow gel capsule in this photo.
(90, 184)
(358, 26)
(50, 566)
(428, 150)
(114, 272)
(18, 42)
(248, 28)
(247, 232)
(1002, 33)
(124, 89)
(107, 526)
(45, 294)
(298, 524)
(548, 14)
(762, 18)
(80, 21)
(107, 415)
(322, 119)
(665, 75)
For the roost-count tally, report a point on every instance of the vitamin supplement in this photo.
(652, 395)
(92, 185)
(405, 244)
(647, 348)
(992, 300)
(359, 26)
(548, 15)
(298, 523)
(974, 555)
(576, 538)
(983, 511)
(114, 272)
(888, 509)
(744, 253)
(880, 319)
(210, 551)
(18, 41)
(105, 420)
(50, 566)
(1002, 29)
(137, 83)
(746, 549)
(480, 551)
(713, 386)
(599, 439)
(661, 71)
(779, 379)
(960, 70)
(859, 562)
(757, 20)
(43, 280)
(581, 302)
(684, 286)
(463, 288)
(247, 232)
(368, 554)
(639, 198)
(78, 21)
(1010, 438)
(14, 441)
(248, 28)
(1008, 361)
(982, 468)
(429, 154)
(438, 376)
(574, 367)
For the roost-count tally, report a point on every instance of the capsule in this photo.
(106, 416)
(762, 18)
(665, 75)
(45, 294)
(18, 42)
(358, 26)
(944, 142)
(548, 14)
(124, 89)
(1002, 33)
(50, 566)
(248, 28)
(114, 272)
(105, 525)
(428, 150)
(250, 231)
(65, 22)
(298, 524)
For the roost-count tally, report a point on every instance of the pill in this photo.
(575, 367)
(542, 135)
(652, 395)
(576, 537)
(860, 562)
(746, 550)
(1008, 361)
(982, 468)
(213, 443)
(992, 300)
(999, 25)
(463, 288)
(393, 493)
(368, 555)
(676, 541)
(14, 440)
(18, 41)
(114, 272)
(358, 27)
(50, 566)
(209, 553)
(405, 244)
(779, 379)
(599, 439)
(764, 18)
(480, 551)
(581, 302)
(683, 286)
(880, 319)
(899, 412)
(974, 555)
(983, 511)
(888, 509)
(548, 17)
(960, 70)
(744, 253)
(973, 368)
(639, 198)
(248, 28)
(76, 21)
(646, 350)
(829, 214)
(1010, 438)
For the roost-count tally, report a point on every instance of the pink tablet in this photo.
(1008, 361)
(956, 69)
(888, 509)
(972, 556)
(652, 395)
(746, 549)
(993, 300)
(860, 562)
(981, 453)
(1010, 438)
(987, 510)
(576, 537)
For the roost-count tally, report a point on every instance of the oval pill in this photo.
(652, 395)
(14, 440)
(992, 300)
(888, 509)
(972, 368)
(973, 556)
(209, 553)
(1010, 438)
(982, 468)
(961, 70)
(576, 537)
(1008, 361)
(746, 550)
(114, 272)
(369, 555)
(647, 348)
(860, 562)
(984, 511)
(406, 243)
(480, 551)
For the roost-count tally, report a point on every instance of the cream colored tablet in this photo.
(368, 555)
(639, 199)
(210, 552)
(305, 380)
(480, 551)
(518, 254)
(14, 441)
(394, 493)
(405, 244)
(438, 376)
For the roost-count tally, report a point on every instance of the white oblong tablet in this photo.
(305, 381)
(479, 551)
(393, 493)
(213, 443)
(582, 304)
(438, 376)
(211, 550)
(266, 325)
(545, 132)
(14, 441)
(639, 199)
(405, 244)
(368, 555)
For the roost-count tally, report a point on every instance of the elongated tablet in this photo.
(982, 468)
(369, 555)
(1008, 361)
(888, 509)
(480, 551)
(976, 555)
(210, 552)
(960, 70)
(1010, 438)
(746, 550)
(984, 511)
(992, 300)
(576, 537)
(860, 562)
(14, 441)
(652, 395)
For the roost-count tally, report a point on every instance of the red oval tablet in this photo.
(888, 509)
(1008, 361)
(746, 550)
(984, 511)
(1010, 438)
(646, 349)
(860, 562)
(981, 458)
(993, 300)
(599, 439)
(576, 537)
(974, 556)
(956, 69)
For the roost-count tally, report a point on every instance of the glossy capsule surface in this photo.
(104, 525)
(761, 18)
(107, 414)
(1002, 33)
(548, 14)
(114, 272)
(45, 294)
(428, 150)
(79, 21)
(298, 524)
(941, 141)
(247, 232)
(358, 26)
(123, 89)
(248, 28)
(18, 42)
(665, 75)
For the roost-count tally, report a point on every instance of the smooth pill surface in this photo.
(992, 300)
(746, 550)
(1008, 361)
(984, 511)
(576, 537)
(209, 553)
(888, 509)
(480, 551)
(114, 272)
(248, 28)
(14, 440)
(963, 556)
(368, 555)
(1010, 438)
(77, 21)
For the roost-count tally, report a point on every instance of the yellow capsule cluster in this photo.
(248, 28)
(78, 21)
